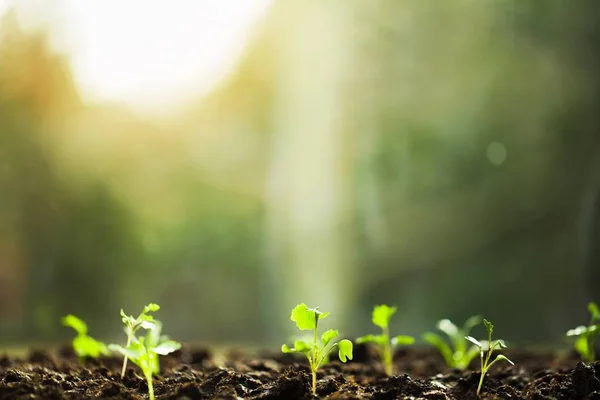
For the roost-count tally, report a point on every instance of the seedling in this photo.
(307, 319)
(132, 325)
(144, 352)
(586, 335)
(381, 317)
(84, 345)
(488, 346)
(459, 353)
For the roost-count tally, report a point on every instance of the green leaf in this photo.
(443, 347)
(304, 317)
(328, 336)
(402, 340)
(593, 309)
(475, 341)
(489, 327)
(582, 347)
(151, 307)
(446, 326)
(499, 343)
(167, 347)
(302, 347)
(471, 323)
(286, 349)
(86, 346)
(468, 356)
(580, 330)
(75, 323)
(501, 357)
(377, 339)
(345, 350)
(382, 315)
(133, 352)
(148, 324)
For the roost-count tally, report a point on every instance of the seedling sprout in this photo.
(84, 345)
(307, 319)
(586, 335)
(132, 325)
(488, 346)
(381, 317)
(144, 352)
(459, 353)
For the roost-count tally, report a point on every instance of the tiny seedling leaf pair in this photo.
(381, 317)
(459, 353)
(488, 346)
(586, 335)
(84, 345)
(316, 350)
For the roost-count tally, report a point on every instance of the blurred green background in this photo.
(442, 156)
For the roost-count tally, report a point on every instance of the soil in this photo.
(192, 373)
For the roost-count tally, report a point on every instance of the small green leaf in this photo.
(499, 343)
(86, 346)
(304, 317)
(151, 307)
(133, 352)
(448, 327)
(402, 340)
(345, 350)
(475, 341)
(377, 339)
(328, 336)
(593, 309)
(167, 347)
(489, 327)
(302, 347)
(471, 323)
(382, 315)
(580, 330)
(148, 324)
(582, 347)
(75, 323)
(286, 349)
(501, 357)
(443, 347)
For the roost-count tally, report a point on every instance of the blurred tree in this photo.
(71, 238)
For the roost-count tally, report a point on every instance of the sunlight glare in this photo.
(154, 54)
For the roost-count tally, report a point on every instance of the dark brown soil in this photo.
(192, 374)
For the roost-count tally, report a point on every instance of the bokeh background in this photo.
(230, 159)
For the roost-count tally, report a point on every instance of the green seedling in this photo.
(84, 345)
(381, 317)
(144, 351)
(459, 353)
(307, 319)
(586, 335)
(488, 346)
(132, 325)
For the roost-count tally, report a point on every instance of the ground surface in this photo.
(192, 374)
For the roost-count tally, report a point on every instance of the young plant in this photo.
(307, 319)
(488, 346)
(84, 345)
(586, 335)
(381, 317)
(132, 325)
(144, 352)
(459, 353)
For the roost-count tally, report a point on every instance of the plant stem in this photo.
(125, 358)
(387, 353)
(150, 387)
(314, 365)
